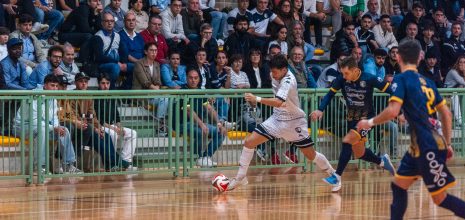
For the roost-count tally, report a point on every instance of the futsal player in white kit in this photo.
(287, 121)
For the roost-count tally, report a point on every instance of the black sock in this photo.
(344, 158)
(370, 157)
(399, 202)
(456, 205)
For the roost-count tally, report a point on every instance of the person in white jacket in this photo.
(172, 24)
(383, 33)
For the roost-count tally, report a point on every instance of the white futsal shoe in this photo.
(234, 183)
(335, 181)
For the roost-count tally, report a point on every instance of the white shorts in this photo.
(295, 131)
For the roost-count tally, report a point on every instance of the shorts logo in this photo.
(436, 169)
(364, 132)
(299, 131)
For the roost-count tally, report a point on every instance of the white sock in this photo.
(323, 163)
(244, 162)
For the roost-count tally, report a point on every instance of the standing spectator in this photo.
(56, 131)
(239, 79)
(114, 8)
(110, 52)
(332, 10)
(280, 37)
(374, 64)
(373, 8)
(134, 44)
(316, 18)
(345, 41)
(452, 48)
(4, 34)
(154, 34)
(109, 118)
(142, 17)
(430, 69)
(262, 16)
(68, 66)
(14, 71)
(173, 74)
(240, 42)
(54, 18)
(300, 70)
(258, 74)
(241, 10)
(32, 47)
(218, 18)
(365, 37)
(172, 26)
(158, 6)
(383, 33)
(50, 66)
(206, 41)
(81, 24)
(391, 66)
(192, 19)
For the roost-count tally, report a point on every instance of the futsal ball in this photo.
(220, 182)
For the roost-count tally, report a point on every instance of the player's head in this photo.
(349, 69)
(278, 66)
(409, 53)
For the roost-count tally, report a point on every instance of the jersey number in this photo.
(429, 92)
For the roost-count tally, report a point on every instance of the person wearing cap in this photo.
(13, 71)
(430, 69)
(50, 66)
(374, 64)
(52, 126)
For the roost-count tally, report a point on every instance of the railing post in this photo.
(462, 124)
(185, 169)
(313, 125)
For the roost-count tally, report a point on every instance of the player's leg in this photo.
(448, 201)
(400, 196)
(306, 147)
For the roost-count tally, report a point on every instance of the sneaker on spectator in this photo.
(71, 169)
(130, 168)
(44, 171)
(275, 159)
(39, 28)
(291, 157)
(261, 153)
(45, 43)
(205, 162)
(229, 125)
(58, 169)
(115, 169)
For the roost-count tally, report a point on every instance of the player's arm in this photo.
(335, 86)
(386, 115)
(273, 102)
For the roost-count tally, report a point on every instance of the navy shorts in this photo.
(352, 126)
(431, 166)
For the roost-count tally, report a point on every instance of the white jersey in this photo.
(286, 90)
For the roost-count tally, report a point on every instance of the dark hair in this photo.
(276, 33)
(191, 69)
(132, 2)
(349, 62)
(349, 23)
(417, 5)
(55, 48)
(240, 18)
(456, 23)
(343, 53)
(367, 16)
(103, 76)
(234, 58)
(201, 50)
(174, 51)
(25, 18)
(4, 31)
(394, 47)
(155, 16)
(380, 52)
(256, 51)
(409, 51)
(273, 46)
(278, 62)
(149, 44)
(439, 9)
(384, 16)
(51, 78)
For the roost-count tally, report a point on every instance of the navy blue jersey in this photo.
(419, 98)
(357, 94)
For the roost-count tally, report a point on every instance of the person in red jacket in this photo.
(153, 34)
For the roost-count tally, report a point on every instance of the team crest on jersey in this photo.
(423, 82)
(379, 79)
(363, 84)
(394, 87)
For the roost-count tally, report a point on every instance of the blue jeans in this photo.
(193, 37)
(111, 69)
(199, 140)
(222, 107)
(218, 23)
(127, 83)
(162, 106)
(54, 20)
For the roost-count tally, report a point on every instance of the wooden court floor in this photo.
(282, 194)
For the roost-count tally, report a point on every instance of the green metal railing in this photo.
(169, 144)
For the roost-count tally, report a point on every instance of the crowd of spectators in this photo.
(162, 44)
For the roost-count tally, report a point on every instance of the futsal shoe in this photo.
(335, 181)
(234, 183)
(387, 164)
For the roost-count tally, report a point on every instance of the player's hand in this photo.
(450, 152)
(249, 97)
(316, 115)
(363, 124)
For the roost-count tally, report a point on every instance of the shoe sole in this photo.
(238, 185)
(332, 189)
(390, 164)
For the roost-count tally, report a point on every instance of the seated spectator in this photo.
(220, 69)
(333, 14)
(134, 44)
(416, 16)
(285, 13)
(239, 79)
(373, 8)
(316, 18)
(172, 26)
(428, 43)
(147, 76)
(158, 6)
(218, 18)
(67, 6)
(383, 33)
(47, 14)
(50, 66)
(109, 118)
(13, 9)
(14, 71)
(391, 66)
(114, 8)
(442, 25)
(241, 10)
(430, 69)
(173, 74)
(141, 16)
(352, 11)
(68, 66)
(208, 80)
(280, 37)
(365, 37)
(240, 41)
(297, 9)
(192, 19)
(411, 33)
(296, 39)
(205, 41)
(300, 70)
(262, 17)
(357, 54)
(258, 74)
(345, 41)
(331, 72)
(154, 34)
(4, 34)
(452, 48)
(52, 126)
(203, 123)
(32, 47)
(81, 24)
(110, 51)
(456, 76)
(374, 64)
(397, 15)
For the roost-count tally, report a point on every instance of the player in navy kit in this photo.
(426, 158)
(357, 89)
